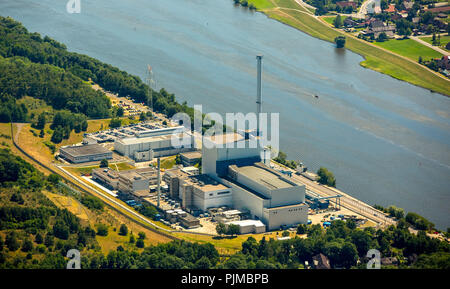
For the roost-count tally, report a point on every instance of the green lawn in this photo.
(330, 19)
(444, 40)
(410, 48)
(261, 4)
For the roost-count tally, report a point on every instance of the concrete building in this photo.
(107, 177)
(146, 145)
(190, 158)
(188, 221)
(203, 192)
(172, 179)
(192, 171)
(249, 226)
(219, 152)
(137, 182)
(268, 195)
(265, 193)
(85, 153)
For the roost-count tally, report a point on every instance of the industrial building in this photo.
(85, 153)
(249, 226)
(186, 220)
(203, 192)
(172, 179)
(137, 182)
(236, 162)
(149, 144)
(107, 177)
(268, 195)
(190, 158)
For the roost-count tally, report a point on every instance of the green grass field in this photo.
(261, 4)
(444, 40)
(330, 19)
(409, 48)
(375, 58)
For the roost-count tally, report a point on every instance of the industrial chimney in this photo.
(258, 94)
(159, 182)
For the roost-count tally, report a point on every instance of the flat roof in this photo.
(286, 206)
(225, 138)
(109, 174)
(205, 183)
(144, 173)
(256, 223)
(148, 139)
(175, 173)
(192, 155)
(264, 176)
(85, 150)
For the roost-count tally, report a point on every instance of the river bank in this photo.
(376, 58)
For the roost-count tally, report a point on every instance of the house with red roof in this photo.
(444, 62)
(390, 9)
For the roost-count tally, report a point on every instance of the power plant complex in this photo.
(236, 185)
(234, 175)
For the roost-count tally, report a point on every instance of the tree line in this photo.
(15, 41)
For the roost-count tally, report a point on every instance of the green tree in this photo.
(104, 163)
(11, 241)
(232, 229)
(102, 230)
(382, 37)
(302, 229)
(142, 117)
(348, 255)
(337, 22)
(49, 240)
(326, 177)
(57, 135)
(340, 41)
(38, 238)
(221, 229)
(203, 263)
(61, 230)
(123, 231)
(141, 236)
(120, 111)
(140, 243)
(27, 246)
(54, 179)
(41, 121)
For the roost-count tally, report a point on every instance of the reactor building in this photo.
(268, 195)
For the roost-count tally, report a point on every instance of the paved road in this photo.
(442, 51)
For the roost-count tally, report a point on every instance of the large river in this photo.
(387, 142)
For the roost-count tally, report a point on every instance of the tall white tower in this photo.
(258, 93)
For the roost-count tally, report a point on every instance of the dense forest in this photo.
(43, 68)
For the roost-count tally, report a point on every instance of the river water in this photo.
(387, 142)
